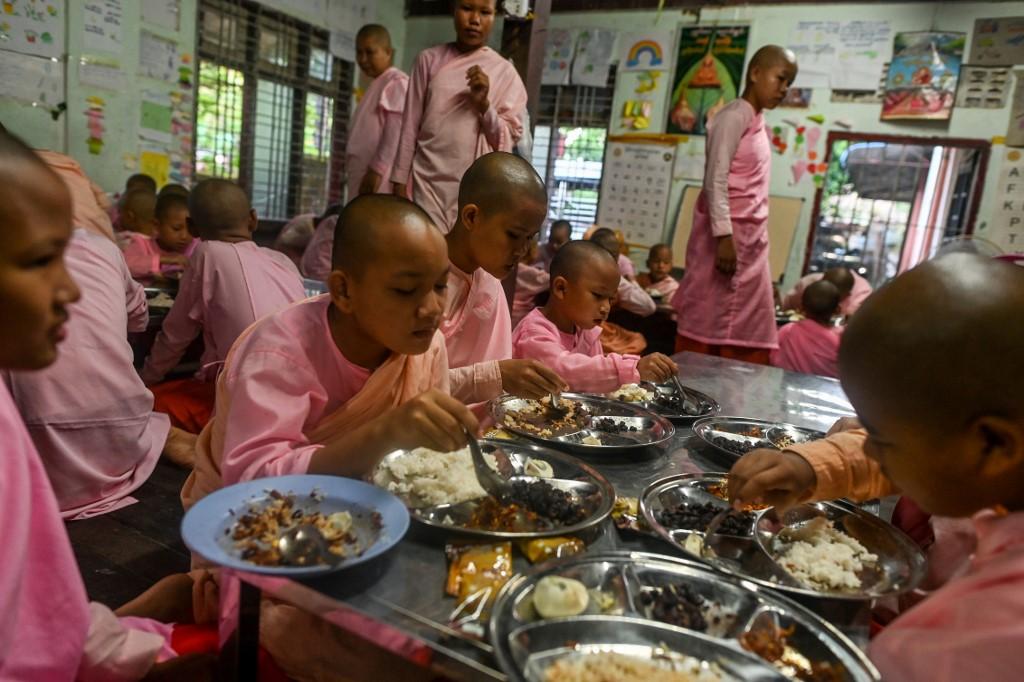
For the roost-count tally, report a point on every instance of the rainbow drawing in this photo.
(642, 47)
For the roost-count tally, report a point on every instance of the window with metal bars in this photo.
(272, 108)
(568, 149)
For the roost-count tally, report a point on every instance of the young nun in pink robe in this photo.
(853, 289)
(464, 101)
(332, 384)
(230, 283)
(377, 123)
(49, 631)
(166, 252)
(531, 281)
(811, 345)
(939, 382)
(89, 415)
(502, 203)
(725, 303)
(565, 333)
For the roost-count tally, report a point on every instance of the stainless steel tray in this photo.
(706, 405)
(901, 565)
(652, 429)
(735, 607)
(570, 474)
(734, 436)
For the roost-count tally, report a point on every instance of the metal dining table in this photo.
(401, 598)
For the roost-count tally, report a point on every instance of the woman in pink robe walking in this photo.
(464, 101)
(725, 304)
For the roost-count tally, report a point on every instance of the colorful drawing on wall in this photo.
(708, 74)
(558, 49)
(998, 41)
(797, 98)
(645, 54)
(156, 164)
(645, 51)
(94, 115)
(32, 27)
(923, 75)
(780, 139)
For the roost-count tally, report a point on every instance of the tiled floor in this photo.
(123, 553)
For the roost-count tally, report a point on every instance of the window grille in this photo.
(272, 108)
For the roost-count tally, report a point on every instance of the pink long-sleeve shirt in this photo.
(89, 203)
(737, 309)
(49, 632)
(809, 347)
(443, 133)
(226, 287)
(849, 305)
(376, 129)
(478, 333)
(633, 298)
(970, 627)
(316, 261)
(578, 358)
(143, 254)
(89, 415)
(530, 282)
(626, 267)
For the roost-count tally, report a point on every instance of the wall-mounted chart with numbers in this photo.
(635, 189)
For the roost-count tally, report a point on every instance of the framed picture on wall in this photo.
(923, 75)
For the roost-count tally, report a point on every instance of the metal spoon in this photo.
(687, 402)
(555, 408)
(305, 545)
(490, 481)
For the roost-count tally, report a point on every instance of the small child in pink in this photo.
(659, 273)
(166, 253)
(532, 280)
(566, 335)
(811, 346)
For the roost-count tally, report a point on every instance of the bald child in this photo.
(629, 296)
(502, 204)
(566, 334)
(377, 122)
(853, 289)
(164, 249)
(230, 283)
(811, 345)
(932, 365)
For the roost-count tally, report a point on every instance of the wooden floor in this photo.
(122, 553)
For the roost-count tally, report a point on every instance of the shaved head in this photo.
(219, 208)
(560, 227)
(370, 223)
(606, 239)
(173, 188)
(842, 278)
(769, 56)
(140, 181)
(376, 33)
(820, 301)
(139, 202)
(19, 165)
(500, 180)
(941, 343)
(578, 256)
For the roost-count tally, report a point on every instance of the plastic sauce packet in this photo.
(476, 573)
(542, 549)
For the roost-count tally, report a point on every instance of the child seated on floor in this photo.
(932, 364)
(658, 277)
(230, 283)
(811, 345)
(334, 383)
(531, 281)
(49, 630)
(166, 253)
(565, 333)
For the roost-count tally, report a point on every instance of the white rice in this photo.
(424, 478)
(824, 557)
(632, 393)
(615, 667)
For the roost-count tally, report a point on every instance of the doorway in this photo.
(889, 202)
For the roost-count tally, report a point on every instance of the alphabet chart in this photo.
(635, 189)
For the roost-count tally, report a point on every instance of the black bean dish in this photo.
(678, 605)
(738, 447)
(698, 516)
(609, 425)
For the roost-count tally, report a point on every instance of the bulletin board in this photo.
(783, 218)
(635, 188)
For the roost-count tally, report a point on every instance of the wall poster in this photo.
(923, 76)
(708, 76)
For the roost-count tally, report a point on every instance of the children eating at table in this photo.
(166, 252)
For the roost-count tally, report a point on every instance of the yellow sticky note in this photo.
(156, 166)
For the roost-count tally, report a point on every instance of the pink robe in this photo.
(633, 298)
(143, 254)
(626, 267)
(714, 308)
(316, 261)
(809, 347)
(443, 133)
(578, 358)
(545, 254)
(530, 282)
(226, 288)
(478, 333)
(89, 203)
(89, 414)
(49, 632)
(376, 128)
(861, 290)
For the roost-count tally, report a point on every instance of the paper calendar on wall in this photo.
(635, 190)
